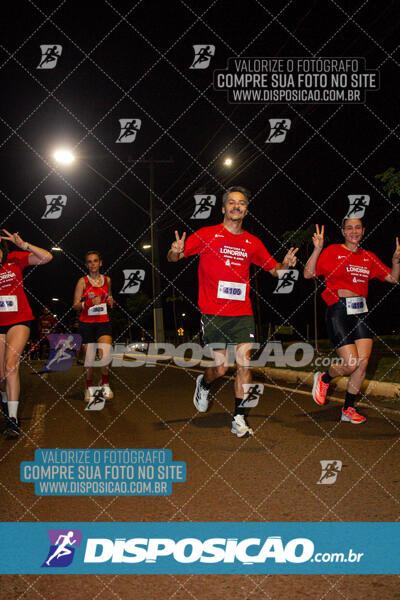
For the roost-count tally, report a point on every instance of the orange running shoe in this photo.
(350, 415)
(320, 389)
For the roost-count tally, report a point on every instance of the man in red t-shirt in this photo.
(226, 251)
(47, 323)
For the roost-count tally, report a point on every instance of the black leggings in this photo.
(344, 329)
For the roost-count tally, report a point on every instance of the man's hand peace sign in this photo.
(179, 245)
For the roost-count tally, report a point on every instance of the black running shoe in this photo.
(12, 429)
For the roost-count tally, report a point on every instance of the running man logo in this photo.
(279, 129)
(202, 56)
(129, 129)
(330, 470)
(252, 393)
(97, 400)
(62, 547)
(62, 351)
(54, 206)
(357, 206)
(203, 207)
(286, 281)
(133, 279)
(50, 55)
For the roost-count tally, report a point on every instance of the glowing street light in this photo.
(64, 156)
(228, 162)
(56, 249)
(146, 246)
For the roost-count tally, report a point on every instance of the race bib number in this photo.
(356, 305)
(97, 309)
(231, 291)
(8, 304)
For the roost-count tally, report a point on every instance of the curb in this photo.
(370, 386)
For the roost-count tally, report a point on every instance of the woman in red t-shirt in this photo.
(93, 298)
(347, 269)
(15, 319)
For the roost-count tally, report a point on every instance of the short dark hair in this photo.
(236, 188)
(93, 252)
(348, 218)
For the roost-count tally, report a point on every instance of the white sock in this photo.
(12, 409)
(3, 396)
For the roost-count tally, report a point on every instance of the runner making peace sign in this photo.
(347, 269)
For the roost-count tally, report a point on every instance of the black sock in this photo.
(239, 410)
(326, 378)
(349, 400)
(204, 384)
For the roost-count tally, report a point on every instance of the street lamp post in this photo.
(66, 157)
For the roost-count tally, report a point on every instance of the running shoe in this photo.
(350, 415)
(12, 429)
(320, 389)
(200, 398)
(107, 392)
(240, 427)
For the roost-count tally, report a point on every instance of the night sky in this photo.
(131, 60)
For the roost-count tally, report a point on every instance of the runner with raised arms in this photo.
(226, 252)
(347, 269)
(16, 318)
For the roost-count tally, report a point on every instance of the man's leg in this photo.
(203, 382)
(243, 377)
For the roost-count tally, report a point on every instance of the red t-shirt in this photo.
(95, 313)
(46, 324)
(224, 269)
(14, 305)
(347, 270)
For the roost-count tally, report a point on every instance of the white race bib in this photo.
(356, 305)
(8, 304)
(97, 309)
(232, 291)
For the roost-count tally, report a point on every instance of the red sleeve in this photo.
(22, 258)
(262, 258)
(324, 263)
(378, 269)
(195, 243)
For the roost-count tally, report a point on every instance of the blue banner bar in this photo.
(200, 548)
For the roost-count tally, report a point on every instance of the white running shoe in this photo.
(240, 427)
(107, 392)
(200, 398)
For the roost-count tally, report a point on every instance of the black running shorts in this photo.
(91, 332)
(344, 329)
(218, 329)
(5, 328)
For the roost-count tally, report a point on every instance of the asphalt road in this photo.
(270, 477)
